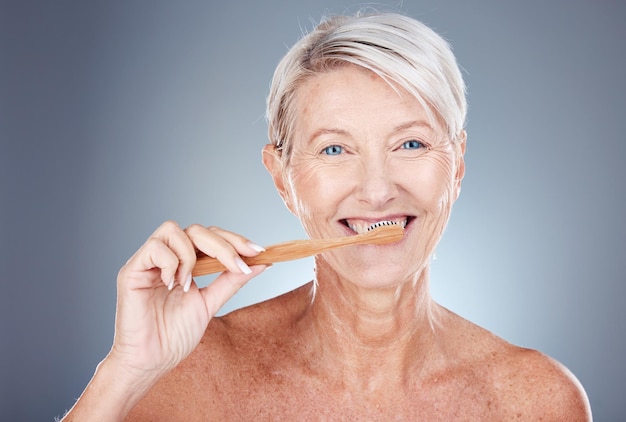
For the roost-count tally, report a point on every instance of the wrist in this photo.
(112, 393)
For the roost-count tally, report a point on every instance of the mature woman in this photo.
(366, 118)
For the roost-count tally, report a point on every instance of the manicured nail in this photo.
(171, 285)
(187, 284)
(256, 247)
(243, 266)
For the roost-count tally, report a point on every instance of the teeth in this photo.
(380, 224)
(362, 227)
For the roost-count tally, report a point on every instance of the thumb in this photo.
(225, 286)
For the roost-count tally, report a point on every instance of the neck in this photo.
(362, 329)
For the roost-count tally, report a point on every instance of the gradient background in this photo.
(115, 116)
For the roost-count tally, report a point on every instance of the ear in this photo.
(460, 162)
(273, 162)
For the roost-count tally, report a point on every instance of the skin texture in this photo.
(364, 340)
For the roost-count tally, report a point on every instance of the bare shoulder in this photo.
(535, 384)
(526, 384)
(238, 340)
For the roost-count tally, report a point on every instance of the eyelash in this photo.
(417, 144)
(336, 150)
(412, 144)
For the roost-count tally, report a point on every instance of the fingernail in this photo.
(243, 266)
(171, 285)
(187, 284)
(256, 247)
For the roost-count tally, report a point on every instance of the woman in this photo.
(366, 118)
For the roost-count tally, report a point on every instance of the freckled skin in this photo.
(364, 340)
(375, 176)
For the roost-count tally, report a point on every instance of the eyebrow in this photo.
(327, 131)
(401, 127)
(412, 124)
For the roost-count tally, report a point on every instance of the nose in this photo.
(376, 185)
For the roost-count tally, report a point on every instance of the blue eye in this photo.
(412, 144)
(333, 150)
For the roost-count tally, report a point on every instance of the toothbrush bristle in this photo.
(380, 224)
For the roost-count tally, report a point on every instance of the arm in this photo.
(161, 314)
(110, 395)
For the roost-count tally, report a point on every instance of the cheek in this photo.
(313, 187)
(431, 181)
(445, 170)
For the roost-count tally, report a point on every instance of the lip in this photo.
(364, 222)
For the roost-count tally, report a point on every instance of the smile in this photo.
(362, 226)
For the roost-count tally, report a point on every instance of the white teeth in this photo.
(380, 224)
(362, 227)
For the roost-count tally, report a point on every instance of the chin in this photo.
(370, 273)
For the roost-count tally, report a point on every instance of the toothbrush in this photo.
(377, 234)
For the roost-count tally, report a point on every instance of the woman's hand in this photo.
(161, 314)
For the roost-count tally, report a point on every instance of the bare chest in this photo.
(278, 397)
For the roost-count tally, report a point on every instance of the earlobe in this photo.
(273, 162)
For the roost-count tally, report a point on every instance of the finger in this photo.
(225, 286)
(222, 245)
(178, 241)
(153, 255)
(170, 251)
(242, 245)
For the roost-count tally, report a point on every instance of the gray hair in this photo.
(401, 50)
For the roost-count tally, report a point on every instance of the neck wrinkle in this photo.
(359, 331)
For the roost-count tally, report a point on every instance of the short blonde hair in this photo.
(399, 49)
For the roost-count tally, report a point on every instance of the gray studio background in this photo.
(115, 116)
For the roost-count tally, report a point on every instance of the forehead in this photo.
(351, 96)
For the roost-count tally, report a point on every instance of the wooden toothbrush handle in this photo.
(296, 249)
(286, 251)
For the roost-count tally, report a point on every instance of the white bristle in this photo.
(380, 224)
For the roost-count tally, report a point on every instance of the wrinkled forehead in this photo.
(321, 94)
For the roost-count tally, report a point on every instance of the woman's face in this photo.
(364, 153)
